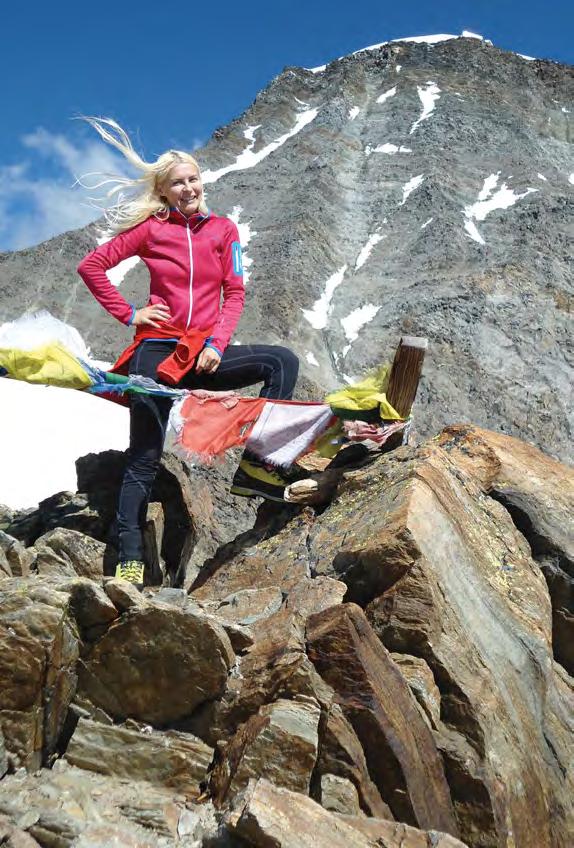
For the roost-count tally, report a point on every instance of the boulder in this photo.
(276, 665)
(341, 755)
(339, 795)
(280, 743)
(279, 560)
(399, 748)
(270, 816)
(176, 760)
(5, 570)
(38, 653)
(66, 806)
(18, 558)
(157, 664)
(124, 596)
(83, 553)
(422, 684)
(444, 575)
(538, 492)
(91, 607)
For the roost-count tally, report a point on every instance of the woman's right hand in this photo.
(151, 315)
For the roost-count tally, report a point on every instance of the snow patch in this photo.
(311, 359)
(248, 159)
(426, 223)
(357, 319)
(428, 96)
(47, 429)
(116, 275)
(409, 187)
(386, 94)
(571, 179)
(565, 110)
(245, 236)
(319, 314)
(398, 69)
(353, 113)
(488, 201)
(391, 149)
(542, 177)
(373, 239)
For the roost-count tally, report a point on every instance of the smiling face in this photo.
(183, 188)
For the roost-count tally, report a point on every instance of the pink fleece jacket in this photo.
(192, 262)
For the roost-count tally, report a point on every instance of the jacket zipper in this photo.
(190, 275)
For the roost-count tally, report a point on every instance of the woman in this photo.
(194, 258)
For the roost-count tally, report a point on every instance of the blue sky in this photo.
(171, 74)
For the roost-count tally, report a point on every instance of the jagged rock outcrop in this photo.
(385, 668)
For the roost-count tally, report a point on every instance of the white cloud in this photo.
(34, 208)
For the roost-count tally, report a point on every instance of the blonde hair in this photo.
(145, 190)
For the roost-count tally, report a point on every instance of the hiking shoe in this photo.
(258, 479)
(131, 571)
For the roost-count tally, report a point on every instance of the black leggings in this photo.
(240, 366)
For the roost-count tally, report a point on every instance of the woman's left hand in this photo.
(207, 361)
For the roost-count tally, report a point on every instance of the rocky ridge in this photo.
(392, 668)
(412, 188)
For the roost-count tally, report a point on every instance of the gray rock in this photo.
(339, 795)
(157, 664)
(38, 653)
(85, 554)
(177, 760)
(17, 556)
(280, 743)
(123, 595)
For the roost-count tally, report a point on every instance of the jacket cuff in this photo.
(213, 347)
(130, 320)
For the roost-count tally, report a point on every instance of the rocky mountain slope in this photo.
(390, 670)
(410, 188)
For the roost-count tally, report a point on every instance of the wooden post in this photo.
(405, 373)
(401, 392)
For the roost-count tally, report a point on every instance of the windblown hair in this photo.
(144, 192)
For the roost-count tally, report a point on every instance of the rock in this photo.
(248, 605)
(19, 558)
(277, 561)
(13, 837)
(38, 653)
(538, 492)
(91, 607)
(270, 816)
(315, 595)
(85, 554)
(279, 743)
(66, 805)
(123, 595)
(3, 757)
(399, 749)
(275, 665)
(199, 513)
(172, 759)
(339, 795)
(157, 664)
(5, 570)
(444, 575)
(47, 563)
(422, 683)
(341, 754)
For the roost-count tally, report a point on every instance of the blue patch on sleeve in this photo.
(236, 254)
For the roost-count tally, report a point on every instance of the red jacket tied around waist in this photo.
(192, 262)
